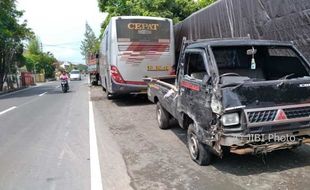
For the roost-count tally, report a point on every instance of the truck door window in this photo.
(194, 65)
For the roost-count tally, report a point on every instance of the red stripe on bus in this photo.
(142, 47)
(139, 51)
(190, 86)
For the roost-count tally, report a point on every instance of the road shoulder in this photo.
(113, 168)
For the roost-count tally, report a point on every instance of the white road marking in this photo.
(7, 110)
(43, 94)
(60, 158)
(95, 172)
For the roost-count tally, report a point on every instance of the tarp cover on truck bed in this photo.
(284, 20)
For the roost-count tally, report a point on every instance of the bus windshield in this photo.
(143, 30)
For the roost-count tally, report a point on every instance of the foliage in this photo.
(177, 10)
(39, 61)
(90, 44)
(12, 33)
(81, 67)
(34, 46)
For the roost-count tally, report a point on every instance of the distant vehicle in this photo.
(75, 75)
(245, 96)
(134, 47)
(93, 69)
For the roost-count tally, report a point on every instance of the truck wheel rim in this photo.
(193, 146)
(159, 115)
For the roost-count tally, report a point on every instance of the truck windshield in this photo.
(259, 62)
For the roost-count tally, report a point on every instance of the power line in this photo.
(62, 44)
(64, 47)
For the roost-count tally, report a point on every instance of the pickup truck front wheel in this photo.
(162, 117)
(198, 152)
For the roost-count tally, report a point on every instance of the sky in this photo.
(60, 24)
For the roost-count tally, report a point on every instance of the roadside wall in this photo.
(27, 79)
(285, 20)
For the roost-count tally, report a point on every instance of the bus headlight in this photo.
(230, 119)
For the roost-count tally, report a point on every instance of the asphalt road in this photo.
(44, 138)
(135, 154)
(46, 141)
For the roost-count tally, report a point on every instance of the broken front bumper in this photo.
(267, 129)
(264, 143)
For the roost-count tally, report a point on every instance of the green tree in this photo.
(39, 61)
(45, 64)
(12, 34)
(177, 10)
(90, 44)
(34, 46)
(33, 54)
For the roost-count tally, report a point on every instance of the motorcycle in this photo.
(64, 85)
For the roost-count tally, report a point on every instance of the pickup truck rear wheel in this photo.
(162, 117)
(198, 152)
(109, 95)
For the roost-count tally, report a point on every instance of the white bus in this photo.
(134, 47)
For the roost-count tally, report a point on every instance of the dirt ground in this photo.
(135, 154)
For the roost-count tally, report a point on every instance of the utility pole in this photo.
(35, 77)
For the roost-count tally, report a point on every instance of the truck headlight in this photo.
(230, 119)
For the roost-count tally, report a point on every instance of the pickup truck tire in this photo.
(198, 151)
(162, 117)
(109, 95)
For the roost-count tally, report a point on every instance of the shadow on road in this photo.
(131, 100)
(26, 92)
(59, 91)
(244, 165)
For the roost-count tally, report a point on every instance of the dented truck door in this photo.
(194, 88)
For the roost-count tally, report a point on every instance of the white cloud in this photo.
(60, 24)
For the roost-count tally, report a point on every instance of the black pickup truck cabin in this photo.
(247, 96)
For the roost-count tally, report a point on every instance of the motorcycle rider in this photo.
(64, 76)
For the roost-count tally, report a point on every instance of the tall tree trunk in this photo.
(1, 70)
(1, 81)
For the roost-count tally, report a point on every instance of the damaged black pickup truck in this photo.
(244, 96)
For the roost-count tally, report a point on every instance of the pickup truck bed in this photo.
(165, 91)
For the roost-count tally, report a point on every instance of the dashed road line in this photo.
(43, 94)
(7, 110)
